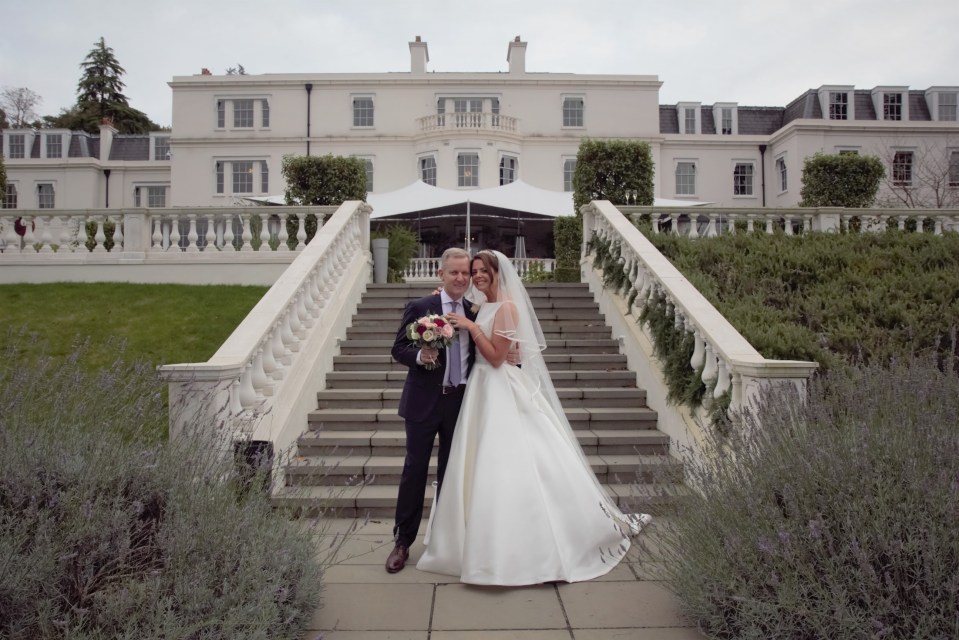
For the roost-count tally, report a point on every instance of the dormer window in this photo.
(942, 103)
(161, 147)
(18, 145)
(891, 103)
(54, 145)
(838, 105)
(836, 102)
(689, 119)
(726, 118)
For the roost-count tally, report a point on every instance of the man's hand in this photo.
(428, 356)
(513, 357)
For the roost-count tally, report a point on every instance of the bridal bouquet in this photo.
(432, 331)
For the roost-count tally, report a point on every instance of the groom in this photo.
(431, 398)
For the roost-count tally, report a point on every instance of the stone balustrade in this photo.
(263, 380)
(728, 361)
(424, 269)
(200, 230)
(468, 120)
(700, 222)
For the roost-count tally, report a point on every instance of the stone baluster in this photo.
(210, 235)
(118, 241)
(302, 309)
(29, 237)
(245, 220)
(736, 401)
(722, 379)
(301, 232)
(247, 393)
(788, 225)
(157, 236)
(710, 368)
(192, 235)
(290, 340)
(175, 233)
(750, 223)
(283, 235)
(236, 405)
(769, 224)
(46, 239)
(261, 383)
(100, 236)
(11, 241)
(228, 237)
(281, 356)
(82, 236)
(711, 227)
(66, 233)
(264, 234)
(699, 351)
(674, 223)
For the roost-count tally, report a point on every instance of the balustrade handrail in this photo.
(722, 219)
(273, 350)
(715, 336)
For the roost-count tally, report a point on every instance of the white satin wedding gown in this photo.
(519, 505)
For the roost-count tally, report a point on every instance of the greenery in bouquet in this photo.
(432, 331)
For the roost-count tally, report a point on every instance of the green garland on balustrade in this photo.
(609, 259)
(674, 347)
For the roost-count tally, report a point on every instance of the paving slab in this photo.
(512, 634)
(461, 607)
(675, 633)
(367, 635)
(374, 607)
(604, 605)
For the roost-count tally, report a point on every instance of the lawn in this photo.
(161, 324)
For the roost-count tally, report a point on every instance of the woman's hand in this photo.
(461, 322)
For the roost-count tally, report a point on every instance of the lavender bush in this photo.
(106, 532)
(839, 518)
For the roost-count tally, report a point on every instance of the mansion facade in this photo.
(466, 131)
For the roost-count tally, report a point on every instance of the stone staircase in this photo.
(350, 459)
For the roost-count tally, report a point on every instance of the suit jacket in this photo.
(423, 387)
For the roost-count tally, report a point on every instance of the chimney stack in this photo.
(419, 56)
(516, 56)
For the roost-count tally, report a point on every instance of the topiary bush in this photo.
(567, 242)
(107, 531)
(403, 247)
(835, 519)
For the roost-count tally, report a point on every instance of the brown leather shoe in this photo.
(398, 558)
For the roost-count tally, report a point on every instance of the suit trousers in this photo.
(419, 449)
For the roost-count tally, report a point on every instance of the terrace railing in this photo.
(424, 269)
(728, 362)
(701, 222)
(262, 382)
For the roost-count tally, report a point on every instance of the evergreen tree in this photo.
(100, 95)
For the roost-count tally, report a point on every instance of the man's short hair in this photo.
(453, 252)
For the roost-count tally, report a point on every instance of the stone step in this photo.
(392, 315)
(387, 441)
(344, 470)
(375, 500)
(540, 305)
(352, 395)
(383, 362)
(372, 347)
(379, 397)
(385, 416)
(591, 331)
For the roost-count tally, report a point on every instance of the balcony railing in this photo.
(472, 120)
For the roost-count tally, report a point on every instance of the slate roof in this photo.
(766, 120)
(130, 147)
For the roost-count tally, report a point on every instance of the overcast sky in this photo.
(754, 52)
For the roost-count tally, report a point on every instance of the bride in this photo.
(520, 503)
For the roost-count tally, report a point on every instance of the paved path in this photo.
(362, 601)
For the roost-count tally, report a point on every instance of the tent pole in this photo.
(467, 225)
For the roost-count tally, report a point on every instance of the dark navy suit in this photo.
(428, 412)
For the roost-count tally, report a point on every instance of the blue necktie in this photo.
(455, 357)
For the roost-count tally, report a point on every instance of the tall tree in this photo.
(100, 95)
(19, 104)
